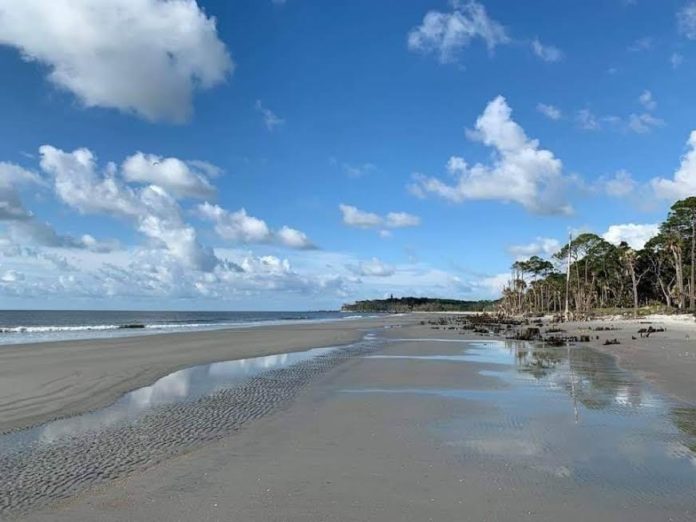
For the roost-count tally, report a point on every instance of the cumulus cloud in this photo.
(635, 235)
(550, 111)
(521, 171)
(372, 268)
(619, 185)
(156, 213)
(401, 220)
(446, 35)
(236, 226)
(354, 217)
(179, 178)
(22, 227)
(270, 119)
(541, 246)
(683, 182)
(34, 232)
(11, 177)
(293, 238)
(140, 56)
(547, 53)
(242, 228)
(686, 20)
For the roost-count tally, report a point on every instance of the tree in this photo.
(683, 215)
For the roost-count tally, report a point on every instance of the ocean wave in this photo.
(55, 331)
(96, 327)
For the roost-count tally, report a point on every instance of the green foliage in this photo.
(603, 275)
(419, 304)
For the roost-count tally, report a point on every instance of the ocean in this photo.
(27, 326)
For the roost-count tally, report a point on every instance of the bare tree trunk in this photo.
(570, 243)
(679, 269)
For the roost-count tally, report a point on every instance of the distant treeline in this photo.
(592, 273)
(419, 304)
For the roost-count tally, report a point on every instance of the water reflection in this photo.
(567, 412)
(184, 385)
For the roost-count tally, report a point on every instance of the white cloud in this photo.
(401, 220)
(640, 123)
(547, 53)
(154, 211)
(22, 227)
(236, 226)
(34, 232)
(540, 246)
(141, 56)
(493, 285)
(635, 235)
(11, 177)
(293, 238)
(587, 120)
(686, 20)
(354, 217)
(643, 123)
(270, 119)
(619, 185)
(179, 178)
(447, 34)
(550, 111)
(372, 268)
(242, 228)
(521, 172)
(683, 183)
(646, 100)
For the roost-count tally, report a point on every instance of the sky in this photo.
(299, 154)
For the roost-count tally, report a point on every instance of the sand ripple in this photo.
(38, 475)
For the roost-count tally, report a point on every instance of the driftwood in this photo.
(645, 332)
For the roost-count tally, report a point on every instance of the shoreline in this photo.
(401, 431)
(40, 382)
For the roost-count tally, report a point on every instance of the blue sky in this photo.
(553, 116)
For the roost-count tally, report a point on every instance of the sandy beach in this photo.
(410, 423)
(43, 381)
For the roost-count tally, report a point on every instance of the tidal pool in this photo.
(173, 415)
(567, 418)
(181, 386)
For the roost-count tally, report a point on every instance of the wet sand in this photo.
(428, 430)
(666, 359)
(414, 424)
(43, 381)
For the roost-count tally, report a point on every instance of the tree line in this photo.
(418, 304)
(590, 273)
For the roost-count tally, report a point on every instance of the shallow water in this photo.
(568, 419)
(181, 386)
(175, 414)
(568, 423)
